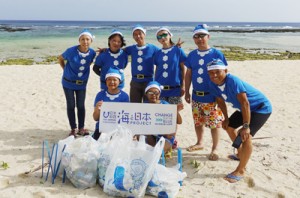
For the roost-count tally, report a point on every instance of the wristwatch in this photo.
(245, 126)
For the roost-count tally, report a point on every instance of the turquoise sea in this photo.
(38, 39)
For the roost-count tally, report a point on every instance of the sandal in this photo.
(213, 157)
(73, 132)
(83, 132)
(195, 147)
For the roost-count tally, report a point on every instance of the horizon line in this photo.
(145, 21)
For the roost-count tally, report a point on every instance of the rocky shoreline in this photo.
(232, 53)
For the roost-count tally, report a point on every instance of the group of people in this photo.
(163, 76)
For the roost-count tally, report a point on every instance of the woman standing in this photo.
(75, 62)
(114, 57)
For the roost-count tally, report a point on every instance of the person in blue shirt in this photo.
(170, 70)
(253, 110)
(142, 65)
(75, 62)
(114, 57)
(152, 92)
(204, 107)
(111, 94)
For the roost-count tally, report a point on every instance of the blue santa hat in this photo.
(201, 28)
(114, 72)
(216, 64)
(87, 33)
(139, 27)
(116, 32)
(165, 29)
(154, 84)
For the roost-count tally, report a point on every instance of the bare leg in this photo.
(244, 152)
(233, 134)
(215, 134)
(199, 144)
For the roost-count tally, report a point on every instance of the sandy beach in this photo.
(33, 109)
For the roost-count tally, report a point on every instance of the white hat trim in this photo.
(212, 67)
(139, 28)
(153, 86)
(116, 32)
(200, 31)
(165, 29)
(112, 75)
(87, 34)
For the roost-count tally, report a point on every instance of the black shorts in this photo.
(256, 122)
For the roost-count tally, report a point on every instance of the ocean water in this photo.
(45, 38)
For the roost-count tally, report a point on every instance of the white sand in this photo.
(33, 109)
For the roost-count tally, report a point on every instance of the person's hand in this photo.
(179, 107)
(225, 123)
(100, 50)
(187, 97)
(182, 92)
(179, 43)
(245, 133)
(99, 104)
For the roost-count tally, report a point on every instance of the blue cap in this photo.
(216, 64)
(139, 27)
(154, 84)
(165, 29)
(87, 33)
(201, 28)
(114, 72)
(116, 32)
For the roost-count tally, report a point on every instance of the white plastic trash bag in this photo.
(131, 168)
(58, 149)
(80, 162)
(109, 143)
(165, 180)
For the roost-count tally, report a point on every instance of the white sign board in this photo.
(140, 118)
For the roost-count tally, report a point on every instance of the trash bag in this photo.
(80, 162)
(131, 167)
(58, 167)
(109, 143)
(165, 180)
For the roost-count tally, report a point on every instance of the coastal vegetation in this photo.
(232, 53)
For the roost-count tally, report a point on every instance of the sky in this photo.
(152, 10)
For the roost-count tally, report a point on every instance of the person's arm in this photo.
(61, 61)
(97, 109)
(179, 118)
(97, 70)
(246, 113)
(182, 69)
(222, 105)
(188, 80)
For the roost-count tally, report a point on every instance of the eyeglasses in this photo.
(164, 35)
(153, 93)
(196, 36)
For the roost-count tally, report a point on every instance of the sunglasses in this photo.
(196, 36)
(153, 93)
(164, 35)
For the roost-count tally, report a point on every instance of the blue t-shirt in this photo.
(107, 59)
(77, 67)
(197, 61)
(142, 64)
(107, 97)
(232, 86)
(168, 71)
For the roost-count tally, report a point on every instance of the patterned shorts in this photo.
(207, 114)
(172, 99)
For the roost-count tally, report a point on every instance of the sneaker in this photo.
(83, 132)
(73, 132)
